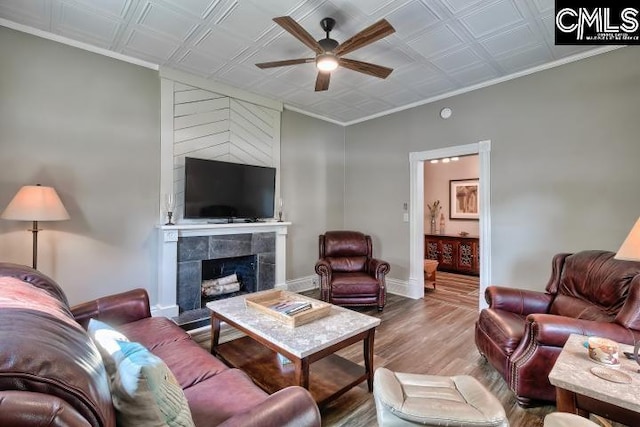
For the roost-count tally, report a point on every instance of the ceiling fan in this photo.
(329, 52)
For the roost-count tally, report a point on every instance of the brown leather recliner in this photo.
(349, 275)
(522, 332)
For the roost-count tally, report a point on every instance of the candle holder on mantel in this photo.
(169, 204)
(280, 205)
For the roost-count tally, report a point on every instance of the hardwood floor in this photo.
(429, 337)
(455, 289)
(434, 335)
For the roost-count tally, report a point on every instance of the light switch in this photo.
(405, 217)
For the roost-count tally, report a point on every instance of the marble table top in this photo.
(302, 341)
(572, 372)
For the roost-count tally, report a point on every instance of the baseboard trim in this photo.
(166, 311)
(402, 288)
(301, 284)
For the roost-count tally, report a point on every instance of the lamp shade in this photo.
(36, 203)
(630, 249)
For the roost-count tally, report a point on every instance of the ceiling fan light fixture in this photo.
(326, 62)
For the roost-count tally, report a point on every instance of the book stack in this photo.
(291, 307)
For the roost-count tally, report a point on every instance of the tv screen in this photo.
(215, 189)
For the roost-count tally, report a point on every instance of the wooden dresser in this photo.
(454, 253)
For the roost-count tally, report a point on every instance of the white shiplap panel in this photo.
(240, 156)
(254, 110)
(195, 95)
(178, 190)
(260, 157)
(213, 153)
(201, 106)
(271, 113)
(239, 110)
(238, 132)
(201, 143)
(200, 119)
(205, 153)
(200, 131)
(179, 87)
(207, 125)
(249, 127)
(179, 175)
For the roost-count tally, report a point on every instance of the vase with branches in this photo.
(434, 209)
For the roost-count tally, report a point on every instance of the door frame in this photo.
(416, 213)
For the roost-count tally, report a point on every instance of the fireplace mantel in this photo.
(168, 255)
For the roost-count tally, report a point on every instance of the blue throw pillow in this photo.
(145, 392)
(106, 339)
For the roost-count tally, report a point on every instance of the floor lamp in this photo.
(35, 203)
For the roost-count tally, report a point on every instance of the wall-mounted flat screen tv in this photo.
(215, 190)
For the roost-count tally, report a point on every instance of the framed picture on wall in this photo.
(464, 201)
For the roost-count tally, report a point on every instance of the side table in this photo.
(581, 392)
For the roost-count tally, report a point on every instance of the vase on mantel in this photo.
(433, 225)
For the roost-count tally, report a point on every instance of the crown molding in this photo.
(267, 102)
(314, 115)
(80, 45)
(528, 71)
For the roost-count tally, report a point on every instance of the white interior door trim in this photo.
(416, 213)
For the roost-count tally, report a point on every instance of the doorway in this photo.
(416, 213)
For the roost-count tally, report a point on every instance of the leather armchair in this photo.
(349, 275)
(522, 332)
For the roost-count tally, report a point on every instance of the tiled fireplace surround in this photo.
(185, 246)
(257, 250)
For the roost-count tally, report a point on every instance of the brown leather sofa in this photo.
(349, 275)
(51, 373)
(522, 332)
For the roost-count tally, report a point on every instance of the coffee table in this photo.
(580, 392)
(310, 348)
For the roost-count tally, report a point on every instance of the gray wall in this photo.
(563, 165)
(312, 181)
(89, 126)
(564, 175)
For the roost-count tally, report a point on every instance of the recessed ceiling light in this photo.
(455, 159)
(445, 160)
(434, 161)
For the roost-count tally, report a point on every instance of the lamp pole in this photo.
(35, 230)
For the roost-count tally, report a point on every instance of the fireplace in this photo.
(201, 258)
(240, 271)
(184, 244)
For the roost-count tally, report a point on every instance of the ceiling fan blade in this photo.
(366, 68)
(367, 36)
(284, 63)
(322, 81)
(291, 26)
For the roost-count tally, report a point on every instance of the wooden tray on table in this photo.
(264, 302)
